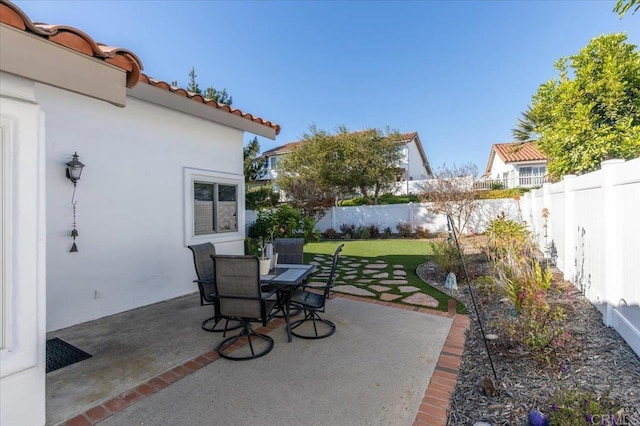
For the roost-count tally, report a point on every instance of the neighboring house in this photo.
(163, 169)
(515, 165)
(413, 165)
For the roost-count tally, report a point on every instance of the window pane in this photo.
(203, 208)
(274, 162)
(227, 208)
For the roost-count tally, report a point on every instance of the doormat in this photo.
(61, 354)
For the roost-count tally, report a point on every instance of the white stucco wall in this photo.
(23, 290)
(130, 202)
(498, 167)
(417, 171)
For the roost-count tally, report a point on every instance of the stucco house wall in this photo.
(130, 202)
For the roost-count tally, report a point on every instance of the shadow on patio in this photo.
(374, 370)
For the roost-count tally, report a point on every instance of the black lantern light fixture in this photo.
(74, 171)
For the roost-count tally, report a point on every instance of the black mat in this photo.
(61, 354)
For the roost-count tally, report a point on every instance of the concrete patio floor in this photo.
(374, 370)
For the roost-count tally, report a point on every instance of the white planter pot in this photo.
(265, 266)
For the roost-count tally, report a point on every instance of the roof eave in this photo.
(158, 96)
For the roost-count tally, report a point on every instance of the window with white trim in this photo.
(215, 207)
(212, 205)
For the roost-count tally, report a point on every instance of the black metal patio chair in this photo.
(312, 299)
(290, 250)
(206, 285)
(240, 299)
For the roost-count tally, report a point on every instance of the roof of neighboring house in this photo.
(515, 152)
(124, 59)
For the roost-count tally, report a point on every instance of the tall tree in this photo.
(220, 96)
(591, 111)
(623, 6)
(525, 130)
(254, 167)
(344, 162)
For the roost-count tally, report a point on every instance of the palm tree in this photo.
(526, 129)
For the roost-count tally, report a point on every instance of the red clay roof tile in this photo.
(518, 151)
(79, 41)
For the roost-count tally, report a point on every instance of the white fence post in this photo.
(569, 255)
(612, 268)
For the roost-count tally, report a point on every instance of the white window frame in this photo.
(192, 176)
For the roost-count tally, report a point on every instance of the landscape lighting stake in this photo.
(452, 232)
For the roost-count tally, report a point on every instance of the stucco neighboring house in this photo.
(163, 169)
(515, 165)
(413, 164)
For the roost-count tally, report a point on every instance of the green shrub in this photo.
(261, 197)
(577, 407)
(387, 232)
(496, 193)
(283, 221)
(446, 256)
(382, 199)
(348, 230)
(374, 231)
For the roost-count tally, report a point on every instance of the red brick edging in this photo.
(432, 411)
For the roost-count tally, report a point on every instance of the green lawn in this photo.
(410, 253)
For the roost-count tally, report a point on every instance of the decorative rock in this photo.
(481, 424)
(381, 275)
(351, 289)
(488, 386)
(536, 418)
(491, 336)
(451, 282)
(421, 299)
(399, 273)
(379, 288)
(504, 300)
(408, 289)
(395, 282)
(376, 265)
(387, 297)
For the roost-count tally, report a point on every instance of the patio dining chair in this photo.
(241, 299)
(206, 285)
(312, 299)
(290, 250)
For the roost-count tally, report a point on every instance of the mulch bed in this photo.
(595, 358)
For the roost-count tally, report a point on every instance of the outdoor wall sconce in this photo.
(74, 171)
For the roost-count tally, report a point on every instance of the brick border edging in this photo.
(434, 405)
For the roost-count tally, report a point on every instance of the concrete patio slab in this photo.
(374, 370)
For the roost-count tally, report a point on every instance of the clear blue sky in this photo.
(457, 72)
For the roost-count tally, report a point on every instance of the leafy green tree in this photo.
(623, 6)
(591, 112)
(254, 167)
(342, 163)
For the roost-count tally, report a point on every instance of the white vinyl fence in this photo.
(593, 231)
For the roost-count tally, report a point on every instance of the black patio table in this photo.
(286, 278)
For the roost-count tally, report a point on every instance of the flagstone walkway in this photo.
(372, 278)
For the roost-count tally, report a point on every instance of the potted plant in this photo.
(265, 262)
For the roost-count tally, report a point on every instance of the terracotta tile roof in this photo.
(515, 152)
(210, 102)
(288, 147)
(81, 42)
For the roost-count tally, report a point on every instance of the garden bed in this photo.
(593, 371)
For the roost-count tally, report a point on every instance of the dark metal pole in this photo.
(452, 230)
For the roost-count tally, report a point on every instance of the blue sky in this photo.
(457, 72)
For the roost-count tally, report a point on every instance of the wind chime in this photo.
(74, 171)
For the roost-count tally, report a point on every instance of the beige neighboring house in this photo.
(515, 165)
(413, 165)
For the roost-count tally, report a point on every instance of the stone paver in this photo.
(376, 265)
(379, 288)
(399, 273)
(408, 289)
(389, 297)
(396, 282)
(398, 266)
(349, 277)
(381, 275)
(364, 281)
(370, 271)
(422, 300)
(351, 289)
